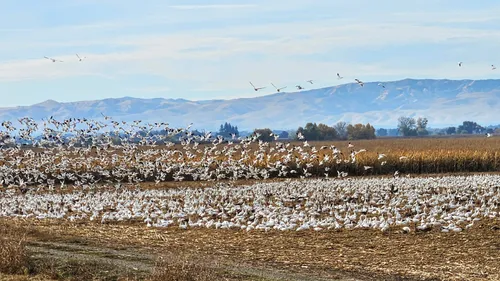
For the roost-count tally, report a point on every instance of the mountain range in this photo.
(443, 102)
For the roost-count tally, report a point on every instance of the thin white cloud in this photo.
(150, 89)
(212, 6)
(225, 58)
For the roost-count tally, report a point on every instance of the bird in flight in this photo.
(493, 67)
(460, 64)
(278, 89)
(360, 82)
(80, 58)
(299, 87)
(381, 85)
(255, 88)
(338, 76)
(310, 81)
(53, 60)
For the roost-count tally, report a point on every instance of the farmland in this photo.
(245, 160)
(421, 209)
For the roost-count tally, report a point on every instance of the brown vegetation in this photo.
(13, 255)
(337, 255)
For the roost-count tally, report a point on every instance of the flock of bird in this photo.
(81, 169)
(359, 82)
(84, 152)
(446, 204)
(104, 163)
(278, 89)
(56, 60)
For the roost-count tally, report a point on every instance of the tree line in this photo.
(410, 126)
(321, 132)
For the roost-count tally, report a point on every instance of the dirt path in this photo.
(138, 263)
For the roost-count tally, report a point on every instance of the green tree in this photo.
(469, 127)
(227, 130)
(311, 131)
(264, 134)
(451, 130)
(381, 132)
(284, 135)
(360, 131)
(326, 132)
(407, 126)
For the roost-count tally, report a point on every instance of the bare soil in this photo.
(239, 255)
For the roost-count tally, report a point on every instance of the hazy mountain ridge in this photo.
(443, 102)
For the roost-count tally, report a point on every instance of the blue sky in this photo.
(210, 49)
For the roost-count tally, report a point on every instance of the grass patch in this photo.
(183, 271)
(14, 258)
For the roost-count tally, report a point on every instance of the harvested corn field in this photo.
(63, 161)
(244, 209)
(417, 228)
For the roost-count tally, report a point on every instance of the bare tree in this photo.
(341, 128)
(407, 126)
(422, 126)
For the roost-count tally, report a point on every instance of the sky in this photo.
(200, 50)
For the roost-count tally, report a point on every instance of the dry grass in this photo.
(469, 255)
(18, 263)
(13, 255)
(183, 270)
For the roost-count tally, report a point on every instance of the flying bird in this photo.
(53, 60)
(338, 76)
(488, 135)
(460, 64)
(381, 85)
(360, 82)
(278, 89)
(493, 67)
(310, 81)
(80, 58)
(255, 88)
(299, 87)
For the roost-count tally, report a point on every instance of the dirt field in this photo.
(92, 251)
(131, 250)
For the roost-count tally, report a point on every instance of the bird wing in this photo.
(78, 56)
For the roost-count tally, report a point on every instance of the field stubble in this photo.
(335, 255)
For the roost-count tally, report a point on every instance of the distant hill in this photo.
(443, 102)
